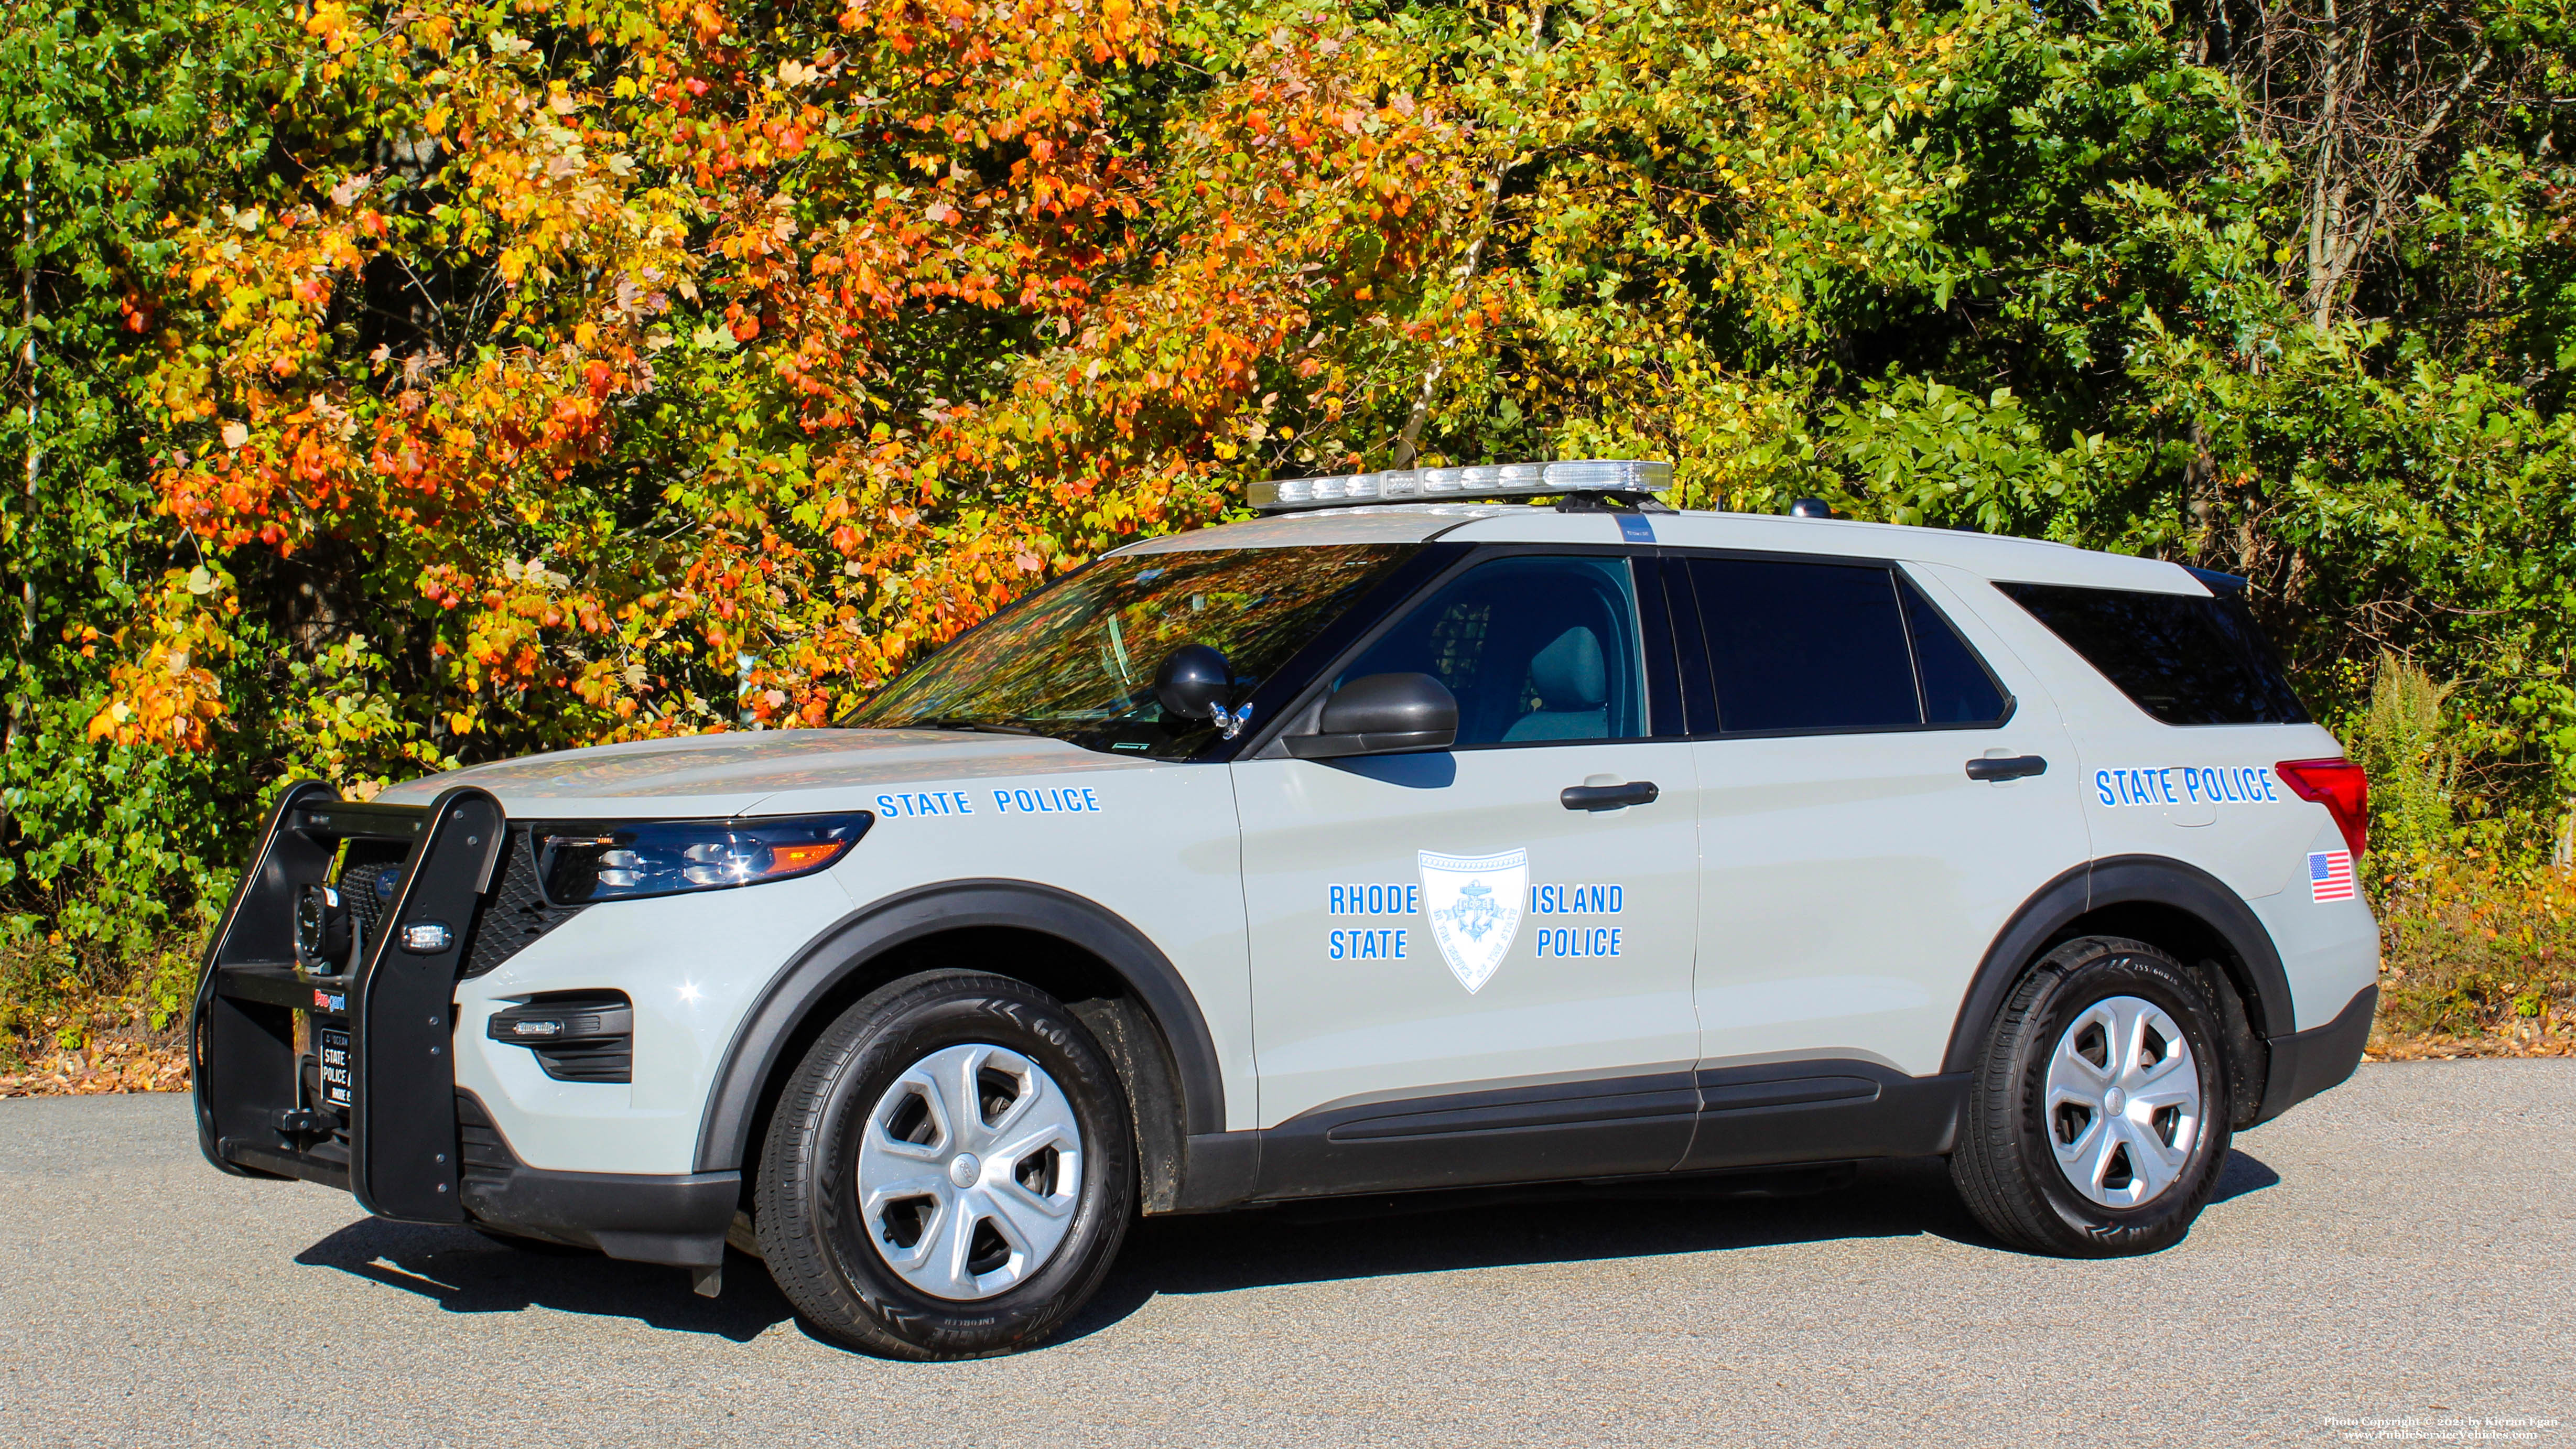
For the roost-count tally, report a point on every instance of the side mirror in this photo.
(1382, 714)
(1194, 682)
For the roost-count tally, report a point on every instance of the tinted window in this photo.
(1956, 687)
(2186, 660)
(1535, 649)
(1805, 646)
(1076, 660)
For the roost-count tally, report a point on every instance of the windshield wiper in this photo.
(977, 726)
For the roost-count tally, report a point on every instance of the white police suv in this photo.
(1404, 839)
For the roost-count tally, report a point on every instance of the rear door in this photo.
(1854, 868)
(1453, 968)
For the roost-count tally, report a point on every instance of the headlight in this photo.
(581, 864)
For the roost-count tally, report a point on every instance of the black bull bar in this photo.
(260, 1004)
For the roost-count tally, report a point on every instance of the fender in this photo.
(2108, 882)
(848, 945)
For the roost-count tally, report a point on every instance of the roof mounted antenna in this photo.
(1634, 480)
(1811, 508)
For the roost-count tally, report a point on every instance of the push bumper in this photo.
(342, 1072)
(2308, 1062)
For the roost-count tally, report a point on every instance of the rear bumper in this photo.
(2305, 1063)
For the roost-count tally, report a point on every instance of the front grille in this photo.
(515, 914)
(365, 888)
(481, 1151)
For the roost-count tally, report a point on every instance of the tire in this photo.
(964, 1267)
(2029, 1163)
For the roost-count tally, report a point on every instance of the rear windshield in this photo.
(1076, 660)
(2186, 660)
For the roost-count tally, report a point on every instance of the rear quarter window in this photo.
(2185, 659)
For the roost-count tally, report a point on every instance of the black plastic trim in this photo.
(679, 1220)
(2308, 1062)
(267, 1161)
(1220, 1170)
(1782, 1113)
(1772, 1114)
(1612, 1127)
(2111, 881)
(724, 1133)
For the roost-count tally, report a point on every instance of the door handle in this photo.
(2013, 768)
(1609, 797)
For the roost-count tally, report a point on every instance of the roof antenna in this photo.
(1811, 508)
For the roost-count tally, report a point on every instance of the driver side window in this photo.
(1538, 650)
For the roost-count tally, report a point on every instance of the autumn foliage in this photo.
(769, 347)
(394, 386)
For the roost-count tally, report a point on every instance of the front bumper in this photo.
(434, 1123)
(680, 1220)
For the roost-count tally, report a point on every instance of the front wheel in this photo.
(949, 1173)
(2097, 1119)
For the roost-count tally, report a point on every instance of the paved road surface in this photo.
(2404, 1246)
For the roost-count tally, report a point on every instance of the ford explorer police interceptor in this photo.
(1400, 839)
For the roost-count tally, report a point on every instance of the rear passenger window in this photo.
(2186, 659)
(1956, 687)
(1820, 646)
(1801, 646)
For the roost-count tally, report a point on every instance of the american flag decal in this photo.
(2330, 875)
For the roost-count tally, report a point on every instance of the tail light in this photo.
(2338, 785)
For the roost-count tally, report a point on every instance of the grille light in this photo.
(1485, 480)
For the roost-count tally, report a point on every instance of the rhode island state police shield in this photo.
(1473, 903)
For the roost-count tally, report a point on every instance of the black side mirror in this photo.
(1194, 683)
(1382, 714)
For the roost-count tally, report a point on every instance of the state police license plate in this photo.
(334, 1049)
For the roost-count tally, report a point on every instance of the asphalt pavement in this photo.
(2396, 1259)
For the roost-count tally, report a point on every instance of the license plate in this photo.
(334, 1047)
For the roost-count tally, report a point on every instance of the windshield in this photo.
(1076, 660)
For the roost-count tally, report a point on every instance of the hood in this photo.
(761, 772)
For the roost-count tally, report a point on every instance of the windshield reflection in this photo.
(1076, 661)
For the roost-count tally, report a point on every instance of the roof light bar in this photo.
(1486, 480)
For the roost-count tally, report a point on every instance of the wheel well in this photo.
(2195, 943)
(1093, 990)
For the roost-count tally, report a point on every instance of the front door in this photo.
(1456, 965)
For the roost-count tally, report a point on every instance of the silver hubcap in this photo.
(2124, 1106)
(970, 1171)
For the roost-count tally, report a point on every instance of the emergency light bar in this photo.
(1486, 480)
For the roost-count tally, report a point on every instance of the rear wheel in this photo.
(950, 1171)
(2097, 1119)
